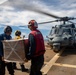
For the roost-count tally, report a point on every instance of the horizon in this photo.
(25, 31)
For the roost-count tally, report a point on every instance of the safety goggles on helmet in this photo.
(33, 23)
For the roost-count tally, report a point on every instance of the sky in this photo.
(17, 14)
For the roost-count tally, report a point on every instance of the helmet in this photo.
(33, 23)
(7, 29)
(17, 33)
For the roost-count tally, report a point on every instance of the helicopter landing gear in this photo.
(74, 45)
(56, 48)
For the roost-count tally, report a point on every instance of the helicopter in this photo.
(63, 35)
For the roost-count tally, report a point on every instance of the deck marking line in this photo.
(65, 65)
(48, 65)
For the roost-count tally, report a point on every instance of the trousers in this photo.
(8, 65)
(36, 65)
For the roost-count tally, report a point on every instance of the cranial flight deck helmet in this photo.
(7, 29)
(33, 23)
(17, 33)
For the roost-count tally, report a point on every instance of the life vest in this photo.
(17, 37)
(40, 47)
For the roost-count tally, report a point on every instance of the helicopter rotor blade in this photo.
(48, 22)
(30, 7)
(71, 22)
(3, 2)
(40, 10)
(46, 13)
(37, 9)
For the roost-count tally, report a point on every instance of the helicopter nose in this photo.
(70, 39)
(51, 38)
(65, 38)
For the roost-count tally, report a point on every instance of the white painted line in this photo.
(48, 65)
(65, 65)
(45, 62)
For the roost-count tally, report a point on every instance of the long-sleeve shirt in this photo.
(3, 37)
(32, 46)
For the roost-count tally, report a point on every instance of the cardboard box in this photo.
(15, 50)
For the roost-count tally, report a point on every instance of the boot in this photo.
(23, 69)
(11, 74)
(14, 66)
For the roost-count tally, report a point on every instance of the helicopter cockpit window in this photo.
(54, 31)
(68, 31)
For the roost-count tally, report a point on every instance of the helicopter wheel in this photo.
(56, 48)
(74, 45)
